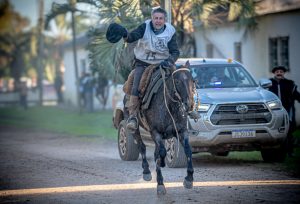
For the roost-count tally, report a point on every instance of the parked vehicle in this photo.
(236, 114)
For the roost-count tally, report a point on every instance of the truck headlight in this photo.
(203, 107)
(274, 105)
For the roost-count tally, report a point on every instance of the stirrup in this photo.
(132, 124)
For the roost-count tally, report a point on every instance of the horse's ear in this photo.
(187, 64)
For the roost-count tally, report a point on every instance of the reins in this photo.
(176, 94)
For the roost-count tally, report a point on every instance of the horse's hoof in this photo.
(147, 177)
(188, 184)
(161, 190)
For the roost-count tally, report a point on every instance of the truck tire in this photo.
(174, 160)
(128, 149)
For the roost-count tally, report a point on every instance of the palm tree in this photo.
(40, 51)
(59, 9)
(14, 42)
(106, 57)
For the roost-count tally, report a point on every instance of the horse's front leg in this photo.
(159, 156)
(188, 180)
(142, 148)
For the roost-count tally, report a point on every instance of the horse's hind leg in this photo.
(188, 180)
(159, 156)
(142, 148)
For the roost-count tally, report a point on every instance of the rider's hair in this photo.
(159, 10)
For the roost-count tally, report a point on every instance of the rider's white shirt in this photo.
(153, 48)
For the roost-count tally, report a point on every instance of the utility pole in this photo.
(167, 5)
(73, 3)
(40, 51)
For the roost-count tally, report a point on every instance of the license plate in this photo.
(243, 133)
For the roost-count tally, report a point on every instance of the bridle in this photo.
(174, 86)
(179, 99)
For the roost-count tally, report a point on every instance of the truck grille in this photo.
(227, 114)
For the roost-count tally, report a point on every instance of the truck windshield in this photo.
(222, 76)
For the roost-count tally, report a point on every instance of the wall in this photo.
(70, 96)
(255, 45)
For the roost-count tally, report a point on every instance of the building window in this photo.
(238, 51)
(209, 50)
(279, 52)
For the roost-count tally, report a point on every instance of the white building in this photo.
(70, 96)
(275, 41)
(70, 93)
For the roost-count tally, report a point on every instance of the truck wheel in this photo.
(174, 160)
(128, 149)
(273, 155)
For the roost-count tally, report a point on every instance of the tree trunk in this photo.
(75, 62)
(40, 52)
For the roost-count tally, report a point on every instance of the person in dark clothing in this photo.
(23, 91)
(287, 91)
(88, 89)
(58, 83)
(156, 44)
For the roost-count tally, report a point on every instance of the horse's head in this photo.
(184, 85)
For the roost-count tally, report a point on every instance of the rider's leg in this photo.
(134, 103)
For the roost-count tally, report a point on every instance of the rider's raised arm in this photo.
(173, 49)
(136, 34)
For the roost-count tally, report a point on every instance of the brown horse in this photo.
(166, 117)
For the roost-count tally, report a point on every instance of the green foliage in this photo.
(105, 57)
(60, 120)
(14, 42)
(216, 12)
(57, 10)
(113, 60)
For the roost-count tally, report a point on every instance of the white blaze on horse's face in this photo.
(158, 20)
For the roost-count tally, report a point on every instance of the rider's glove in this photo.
(166, 64)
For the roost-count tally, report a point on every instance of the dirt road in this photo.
(42, 167)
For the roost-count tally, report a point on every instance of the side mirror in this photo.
(265, 83)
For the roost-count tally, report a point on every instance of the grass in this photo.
(60, 120)
(54, 119)
(248, 156)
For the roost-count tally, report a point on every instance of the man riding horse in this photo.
(156, 45)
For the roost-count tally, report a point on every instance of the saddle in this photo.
(150, 82)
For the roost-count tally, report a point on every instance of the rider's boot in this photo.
(134, 103)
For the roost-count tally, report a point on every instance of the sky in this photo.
(29, 8)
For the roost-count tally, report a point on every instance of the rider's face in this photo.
(158, 20)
